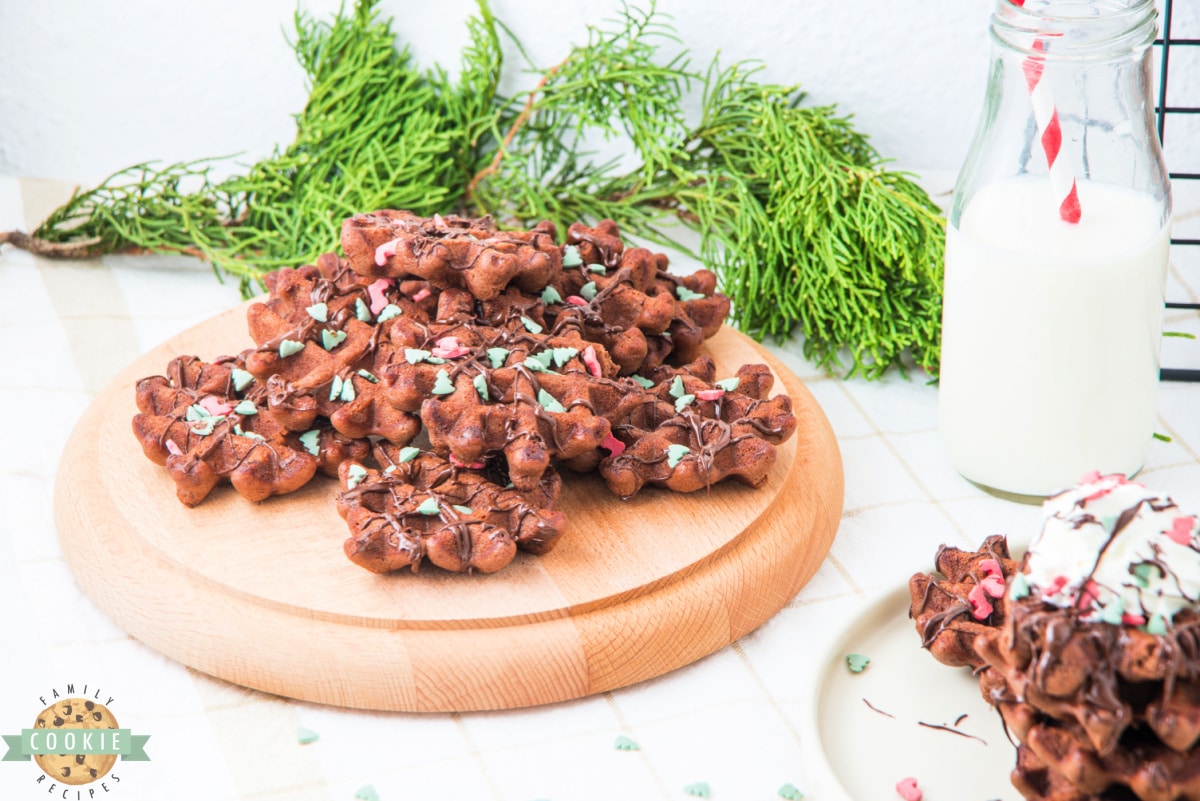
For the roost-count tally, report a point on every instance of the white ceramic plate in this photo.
(860, 754)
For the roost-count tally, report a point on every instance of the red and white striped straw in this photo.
(1062, 180)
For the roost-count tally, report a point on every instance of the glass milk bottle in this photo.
(1056, 253)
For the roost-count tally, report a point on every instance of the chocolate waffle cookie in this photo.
(421, 506)
(1092, 655)
(511, 354)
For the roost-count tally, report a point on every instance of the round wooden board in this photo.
(261, 594)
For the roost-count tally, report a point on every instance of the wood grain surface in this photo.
(261, 594)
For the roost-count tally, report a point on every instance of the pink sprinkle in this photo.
(173, 449)
(212, 405)
(454, 460)
(1088, 596)
(710, 394)
(385, 252)
(1110, 483)
(575, 300)
(991, 567)
(438, 221)
(908, 790)
(420, 296)
(613, 445)
(1056, 585)
(981, 607)
(1181, 530)
(593, 364)
(375, 292)
(993, 585)
(1130, 619)
(448, 348)
(1090, 478)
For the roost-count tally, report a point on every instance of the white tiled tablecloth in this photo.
(733, 720)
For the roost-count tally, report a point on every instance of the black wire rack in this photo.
(1164, 110)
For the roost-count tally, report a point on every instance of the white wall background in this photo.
(88, 87)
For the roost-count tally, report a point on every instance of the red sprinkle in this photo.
(575, 300)
(173, 449)
(375, 292)
(385, 252)
(212, 405)
(1056, 585)
(993, 585)
(420, 296)
(1130, 619)
(981, 607)
(908, 790)
(1088, 596)
(1181, 530)
(710, 394)
(454, 460)
(613, 445)
(593, 364)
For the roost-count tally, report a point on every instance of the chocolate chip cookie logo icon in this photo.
(76, 740)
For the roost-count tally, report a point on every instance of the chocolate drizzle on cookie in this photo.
(1093, 656)
(941, 605)
(512, 362)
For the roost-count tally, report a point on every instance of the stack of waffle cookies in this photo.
(1090, 651)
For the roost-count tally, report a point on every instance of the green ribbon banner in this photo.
(131, 747)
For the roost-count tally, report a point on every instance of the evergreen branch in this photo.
(511, 134)
(796, 213)
(79, 249)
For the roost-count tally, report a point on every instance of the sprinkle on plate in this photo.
(857, 663)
